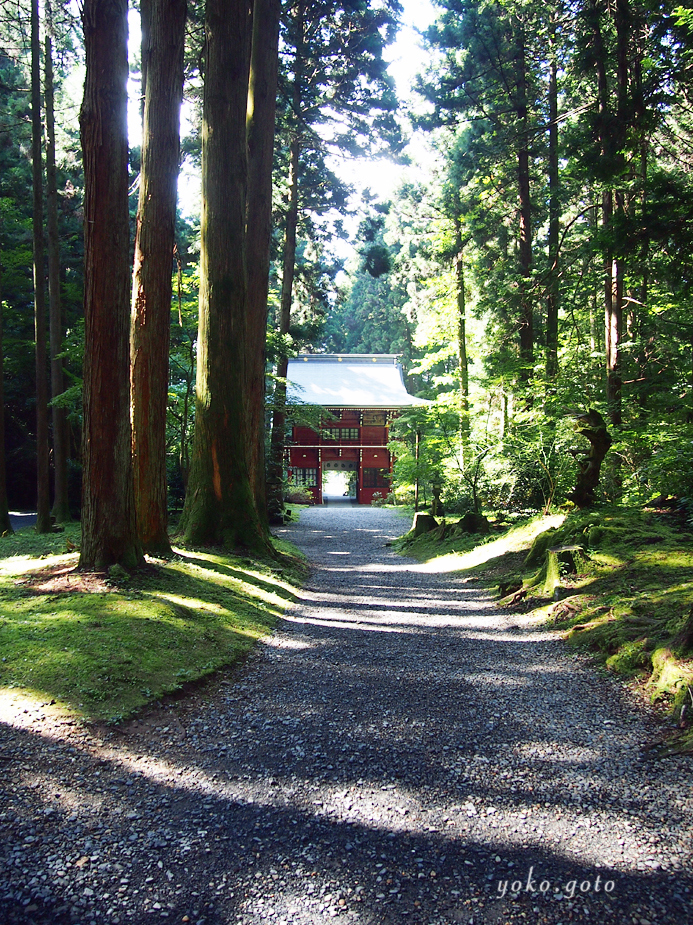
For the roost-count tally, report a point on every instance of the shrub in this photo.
(296, 494)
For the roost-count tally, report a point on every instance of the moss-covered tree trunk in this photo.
(109, 533)
(162, 56)
(219, 503)
(262, 96)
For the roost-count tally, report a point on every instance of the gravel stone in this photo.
(398, 751)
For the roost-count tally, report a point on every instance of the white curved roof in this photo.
(362, 380)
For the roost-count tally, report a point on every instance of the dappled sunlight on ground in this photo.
(514, 541)
(394, 753)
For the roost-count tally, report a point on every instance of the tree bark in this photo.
(219, 504)
(262, 96)
(276, 462)
(554, 224)
(275, 498)
(61, 508)
(43, 515)
(462, 359)
(152, 277)
(5, 523)
(594, 430)
(109, 532)
(615, 320)
(526, 310)
(611, 138)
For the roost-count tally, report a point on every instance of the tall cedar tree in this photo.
(163, 33)
(61, 509)
(43, 519)
(334, 72)
(491, 85)
(109, 532)
(5, 523)
(219, 503)
(262, 97)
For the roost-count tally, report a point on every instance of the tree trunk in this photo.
(613, 330)
(526, 311)
(43, 516)
(417, 456)
(5, 523)
(109, 532)
(276, 464)
(219, 504)
(613, 300)
(61, 508)
(554, 227)
(463, 363)
(622, 18)
(589, 466)
(262, 96)
(611, 269)
(152, 278)
(640, 312)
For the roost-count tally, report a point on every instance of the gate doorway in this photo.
(338, 485)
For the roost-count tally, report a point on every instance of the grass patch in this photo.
(103, 648)
(627, 594)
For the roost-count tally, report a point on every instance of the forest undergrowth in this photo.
(103, 646)
(616, 581)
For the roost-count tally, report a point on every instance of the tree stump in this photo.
(561, 560)
(423, 523)
(472, 522)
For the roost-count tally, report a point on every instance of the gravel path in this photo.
(398, 752)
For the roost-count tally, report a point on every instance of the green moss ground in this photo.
(105, 652)
(630, 601)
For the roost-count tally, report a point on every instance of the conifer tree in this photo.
(220, 505)
(162, 63)
(43, 521)
(109, 531)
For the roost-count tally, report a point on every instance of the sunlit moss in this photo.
(105, 654)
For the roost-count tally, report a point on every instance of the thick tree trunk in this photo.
(219, 504)
(61, 509)
(109, 533)
(526, 309)
(152, 285)
(276, 462)
(43, 517)
(262, 96)
(5, 523)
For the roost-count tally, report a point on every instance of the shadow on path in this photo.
(399, 751)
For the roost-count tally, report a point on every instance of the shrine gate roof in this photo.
(348, 380)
